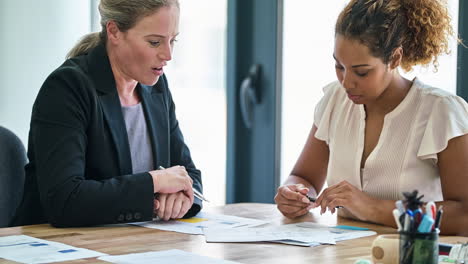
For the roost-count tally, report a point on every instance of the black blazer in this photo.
(80, 170)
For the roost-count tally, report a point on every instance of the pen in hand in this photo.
(195, 192)
(315, 199)
(311, 199)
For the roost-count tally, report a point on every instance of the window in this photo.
(308, 65)
(196, 77)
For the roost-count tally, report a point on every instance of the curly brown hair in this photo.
(421, 27)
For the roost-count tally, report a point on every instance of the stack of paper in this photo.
(226, 228)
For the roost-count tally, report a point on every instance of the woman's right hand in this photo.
(292, 201)
(172, 180)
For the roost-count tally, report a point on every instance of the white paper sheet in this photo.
(26, 249)
(290, 233)
(173, 256)
(202, 220)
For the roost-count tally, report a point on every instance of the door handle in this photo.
(249, 95)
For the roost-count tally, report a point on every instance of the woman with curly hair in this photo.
(377, 134)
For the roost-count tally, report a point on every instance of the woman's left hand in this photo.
(347, 195)
(172, 205)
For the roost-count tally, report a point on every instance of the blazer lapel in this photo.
(157, 120)
(113, 115)
(103, 78)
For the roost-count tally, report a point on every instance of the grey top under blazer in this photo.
(80, 169)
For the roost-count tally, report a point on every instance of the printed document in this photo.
(26, 249)
(202, 220)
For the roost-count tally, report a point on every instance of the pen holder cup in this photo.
(419, 248)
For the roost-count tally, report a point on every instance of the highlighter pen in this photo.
(195, 192)
(426, 224)
(315, 199)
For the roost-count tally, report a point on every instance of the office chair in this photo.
(12, 161)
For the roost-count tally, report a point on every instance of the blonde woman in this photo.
(104, 121)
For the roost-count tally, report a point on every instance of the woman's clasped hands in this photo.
(174, 194)
(292, 200)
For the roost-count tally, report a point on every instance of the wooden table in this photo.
(133, 239)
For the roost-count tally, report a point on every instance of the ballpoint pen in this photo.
(418, 216)
(195, 192)
(409, 219)
(315, 199)
(311, 199)
(438, 218)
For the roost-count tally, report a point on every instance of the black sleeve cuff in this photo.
(196, 207)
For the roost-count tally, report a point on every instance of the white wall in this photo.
(35, 38)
